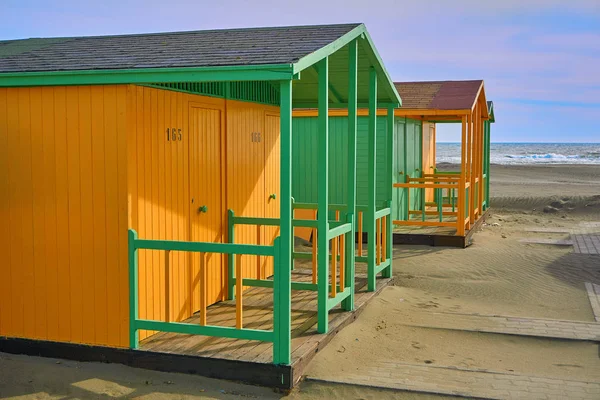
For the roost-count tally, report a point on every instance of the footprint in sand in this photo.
(429, 304)
(569, 365)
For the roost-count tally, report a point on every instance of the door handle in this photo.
(202, 209)
(272, 196)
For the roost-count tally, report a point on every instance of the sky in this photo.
(540, 59)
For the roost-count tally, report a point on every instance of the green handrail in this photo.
(135, 323)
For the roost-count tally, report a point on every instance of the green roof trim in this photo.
(368, 47)
(148, 75)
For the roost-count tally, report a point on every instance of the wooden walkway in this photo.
(586, 244)
(258, 314)
(536, 327)
(462, 382)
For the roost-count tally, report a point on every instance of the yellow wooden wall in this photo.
(80, 165)
(253, 175)
(63, 213)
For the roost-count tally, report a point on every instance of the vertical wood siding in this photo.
(205, 128)
(248, 182)
(63, 213)
(305, 162)
(164, 176)
(80, 165)
(272, 183)
(408, 142)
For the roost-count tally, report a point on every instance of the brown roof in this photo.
(439, 95)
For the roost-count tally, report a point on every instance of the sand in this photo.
(496, 275)
(36, 378)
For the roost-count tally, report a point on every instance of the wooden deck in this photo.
(258, 314)
(436, 236)
(237, 360)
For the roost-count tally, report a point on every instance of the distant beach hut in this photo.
(146, 185)
(424, 202)
(448, 204)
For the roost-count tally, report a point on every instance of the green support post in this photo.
(421, 191)
(407, 191)
(423, 206)
(440, 206)
(323, 197)
(293, 265)
(348, 303)
(133, 290)
(282, 280)
(230, 257)
(387, 273)
(371, 178)
(488, 135)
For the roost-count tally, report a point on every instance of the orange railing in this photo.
(448, 186)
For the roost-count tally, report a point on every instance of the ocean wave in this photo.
(515, 159)
(528, 153)
(547, 156)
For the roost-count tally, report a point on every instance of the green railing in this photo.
(338, 287)
(337, 228)
(280, 347)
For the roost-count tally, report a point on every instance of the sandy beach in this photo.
(497, 275)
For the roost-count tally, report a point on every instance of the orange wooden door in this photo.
(272, 174)
(245, 175)
(206, 205)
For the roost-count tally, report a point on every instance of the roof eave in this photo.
(359, 32)
(379, 66)
(266, 72)
(416, 112)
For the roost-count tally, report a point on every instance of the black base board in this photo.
(270, 375)
(430, 240)
(441, 240)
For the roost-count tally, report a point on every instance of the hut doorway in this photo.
(206, 204)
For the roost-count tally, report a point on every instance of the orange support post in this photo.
(384, 238)
(167, 286)
(239, 288)
(258, 239)
(460, 219)
(334, 254)
(342, 261)
(203, 289)
(360, 233)
(471, 176)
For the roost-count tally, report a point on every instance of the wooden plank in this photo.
(427, 185)
(258, 303)
(593, 292)
(423, 223)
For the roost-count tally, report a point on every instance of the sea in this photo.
(528, 153)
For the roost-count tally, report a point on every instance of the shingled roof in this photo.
(227, 47)
(438, 95)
